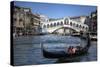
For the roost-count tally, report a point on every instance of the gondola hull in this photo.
(62, 54)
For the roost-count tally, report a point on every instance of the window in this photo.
(71, 23)
(51, 25)
(86, 28)
(47, 25)
(54, 24)
(44, 26)
(20, 20)
(66, 21)
(83, 27)
(58, 24)
(80, 26)
(61, 23)
(76, 25)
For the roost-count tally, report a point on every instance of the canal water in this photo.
(27, 50)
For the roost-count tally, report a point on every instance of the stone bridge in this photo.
(64, 25)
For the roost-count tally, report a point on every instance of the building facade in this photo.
(25, 22)
(91, 21)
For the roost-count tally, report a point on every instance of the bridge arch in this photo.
(64, 28)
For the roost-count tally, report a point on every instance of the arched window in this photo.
(58, 24)
(61, 23)
(47, 25)
(86, 28)
(44, 26)
(71, 23)
(66, 21)
(76, 25)
(51, 25)
(80, 26)
(54, 24)
(83, 27)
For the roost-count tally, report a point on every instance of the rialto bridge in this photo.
(64, 25)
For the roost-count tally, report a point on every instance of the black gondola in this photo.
(62, 54)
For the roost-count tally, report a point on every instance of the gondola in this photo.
(63, 54)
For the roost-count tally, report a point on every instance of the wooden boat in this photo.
(62, 54)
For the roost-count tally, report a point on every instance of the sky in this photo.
(53, 10)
